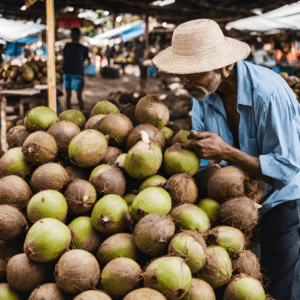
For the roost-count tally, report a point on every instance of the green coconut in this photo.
(110, 214)
(117, 245)
(77, 271)
(190, 217)
(20, 122)
(7, 293)
(16, 136)
(191, 246)
(218, 268)
(144, 101)
(243, 287)
(39, 148)
(92, 122)
(211, 207)
(169, 275)
(14, 191)
(85, 236)
(13, 162)
(143, 160)
(47, 291)
(47, 204)
(181, 137)
(40, 118)
(129, 198)
(47, 240)
(178, 160)
(168, 133)
(92, 295)
(153, 233)
(200, 290)
(152, 200)
(145, 293)
(87, 148)
(73, 115)
(104, 108)
(153, 181)
(121, 276)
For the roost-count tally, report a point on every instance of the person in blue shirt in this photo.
(245, 115)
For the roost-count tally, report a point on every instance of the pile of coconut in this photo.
(100, 209)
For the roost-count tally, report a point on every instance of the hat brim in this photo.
(231, 51)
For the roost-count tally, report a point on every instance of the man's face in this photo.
(201, 85)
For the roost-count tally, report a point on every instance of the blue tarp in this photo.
(14, 49)
(133, 32)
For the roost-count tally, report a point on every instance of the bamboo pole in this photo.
(51, 54)
(3, 124)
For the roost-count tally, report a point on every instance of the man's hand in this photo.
(208, 145)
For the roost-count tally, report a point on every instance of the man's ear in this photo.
(226, 70)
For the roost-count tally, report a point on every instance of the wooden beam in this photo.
(4, 147)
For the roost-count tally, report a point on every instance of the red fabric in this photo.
(68, 22)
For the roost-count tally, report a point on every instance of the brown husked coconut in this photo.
(155, 135)
(81, 197)
(111, 155)
(63, 132)
(182, 188)
(39, 148)
(77, 172)
(203, 175)
(9, 249)
(129, 111)
(92, 122)
(12, 223)
(200, 290)
(49, 176)
(24, 275)
(255, 189)
(2, 269)
(77, 271)
(145, 293)
(14, 191)
(16, 136)
(47, 291)
(226, 183)
(92, 295)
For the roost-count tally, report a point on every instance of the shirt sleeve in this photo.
(278, 135)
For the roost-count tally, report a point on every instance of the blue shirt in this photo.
(269, 128)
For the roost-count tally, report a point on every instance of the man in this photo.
(74, 56)
(247, 116)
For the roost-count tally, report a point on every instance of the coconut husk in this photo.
(255, 189)
(153, 181)
(145, 293)
(120, 161)
(92, 122)
(16, 136)
(49, 291)
(144, 101)
(76, 172)
(200, 290)
(73, 115)
(104, 107)
(92, 295)
(129, 111)
(111, 155)
(9, 249)
(181, 137)
(203, 175)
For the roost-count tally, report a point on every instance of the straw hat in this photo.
(199, 46)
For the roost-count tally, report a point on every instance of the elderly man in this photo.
(247, 116)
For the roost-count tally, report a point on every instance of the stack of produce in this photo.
(105, 210)
(293, 82)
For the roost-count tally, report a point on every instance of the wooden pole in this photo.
(51, 54)
(4, 147)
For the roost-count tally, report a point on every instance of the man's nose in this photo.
(184, 80)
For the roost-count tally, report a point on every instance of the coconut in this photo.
(7, 293)
(241, 213)
(244, 287)
(121, 276)
(182, 188)
(200, 290)
(63, 132)
(110, 215)
(47, 204)
(81, 197)
(153, 181)
(108, 180)
(92, 295)
(73, 115)
(226, 183)
(120, 161)
(153, 233)
(75, 172)
(117, 245)
(47, 291)
(13, 163)
(190, 217)
(20, 122)
(39, 148)
(117, 126)
(178, 160)
(168, 133)
(169, 275)
(143, 160)
(24, 275)
(181, 137)
(87, 148)
(211, 207)
(155, 135)
(92, 122)
(111, 155)
(129, 111)
(77, 271)
(9, 249)
(16, 136)
(152, 200)
(12, 223)
(145, 293)
(129, 198)
(47, 240)
(2, 269)
(255, 189)
(218, 269)
(104, 108)
(50, 176)
(191, 246)
(40, 118)
(246, 262)
(144, 101)
(9, 125)
(14, 191)
(230, 238)
(85, 236)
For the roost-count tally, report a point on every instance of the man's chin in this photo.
(198, 96)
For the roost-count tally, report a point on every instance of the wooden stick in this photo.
(3, 124)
